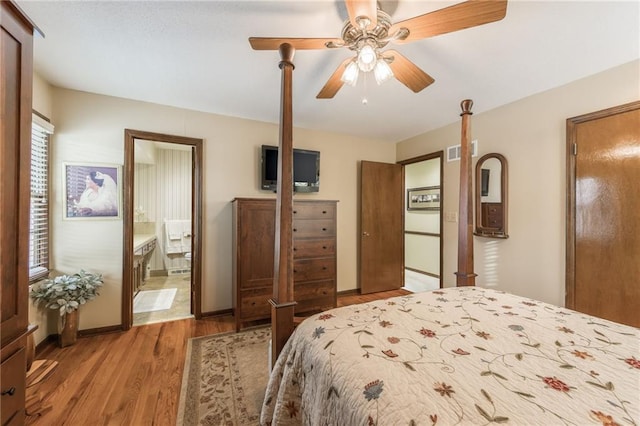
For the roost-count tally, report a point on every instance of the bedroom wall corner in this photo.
(531, 134)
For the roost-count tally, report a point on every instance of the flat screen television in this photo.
(306, 169)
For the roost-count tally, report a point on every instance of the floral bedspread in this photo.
(465, 355)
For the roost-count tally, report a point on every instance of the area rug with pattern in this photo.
(224, 378)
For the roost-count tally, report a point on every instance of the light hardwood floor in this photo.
(127, 378)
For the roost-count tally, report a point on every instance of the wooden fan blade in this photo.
(269, 43)
(334, 83)
(453, 18)
(368, 8)
(406, 72)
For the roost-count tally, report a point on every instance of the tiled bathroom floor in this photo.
(181, 307)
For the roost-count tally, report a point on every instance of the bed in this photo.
(463, 355)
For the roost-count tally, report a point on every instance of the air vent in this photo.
(453, 152)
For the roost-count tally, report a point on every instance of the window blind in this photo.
(39, 211)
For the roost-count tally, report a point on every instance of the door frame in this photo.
(128, 213)
(571, 147)
(432, 156)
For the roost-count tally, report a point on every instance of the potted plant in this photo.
(66, 293)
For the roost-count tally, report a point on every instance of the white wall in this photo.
(91, 127)
(42, 96)
(531, 134)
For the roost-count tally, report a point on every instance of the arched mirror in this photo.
(491, 196)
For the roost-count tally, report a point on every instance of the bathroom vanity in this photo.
(143, 246)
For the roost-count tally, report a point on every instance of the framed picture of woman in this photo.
(91, 191)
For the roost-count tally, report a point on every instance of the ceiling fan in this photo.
(369, 29)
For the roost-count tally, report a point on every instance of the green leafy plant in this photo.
(67, 292)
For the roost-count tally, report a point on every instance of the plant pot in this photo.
(68, 329)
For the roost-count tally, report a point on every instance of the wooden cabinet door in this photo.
(256, 221)
(15, 170)
(16, 75)
(381, 227)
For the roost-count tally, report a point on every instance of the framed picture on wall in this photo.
(91, 191)
(426, 198)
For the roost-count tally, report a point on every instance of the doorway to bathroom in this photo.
(162, 203)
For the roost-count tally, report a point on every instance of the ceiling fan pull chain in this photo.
(364, 89)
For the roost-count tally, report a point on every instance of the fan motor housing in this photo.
(354, 36)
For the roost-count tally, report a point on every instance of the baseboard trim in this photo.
(52, 338)
(220, 313)
(100, 330)
(351, 292)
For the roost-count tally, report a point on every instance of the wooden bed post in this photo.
(282, 303)
(465, 275)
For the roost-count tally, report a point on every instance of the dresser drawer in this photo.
(13, 383)
(314, 211)
(315, 296)
(313, 228)
(258, 282)
(313, 248)
(494, 221)
(314, 269)
(254, 304)
(494, 209)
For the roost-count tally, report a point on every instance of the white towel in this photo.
(177, 236)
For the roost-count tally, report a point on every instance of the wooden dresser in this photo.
(314, 253)
(15, 179)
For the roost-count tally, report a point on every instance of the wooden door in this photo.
(381, 226)
(603, 253)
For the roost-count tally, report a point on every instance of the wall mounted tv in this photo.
(306, 169)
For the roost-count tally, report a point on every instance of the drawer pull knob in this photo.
(253, 303)
(324, 212)
(295, 270)
(295, 211)
(294, 229)
(324, 229)
(324, 247)
(295, 249)
(9, 391)
(324, 268)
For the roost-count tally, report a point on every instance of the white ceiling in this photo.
(196, 55)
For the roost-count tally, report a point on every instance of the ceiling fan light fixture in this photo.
(382, 71)
(350, 74)
(367, 58)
